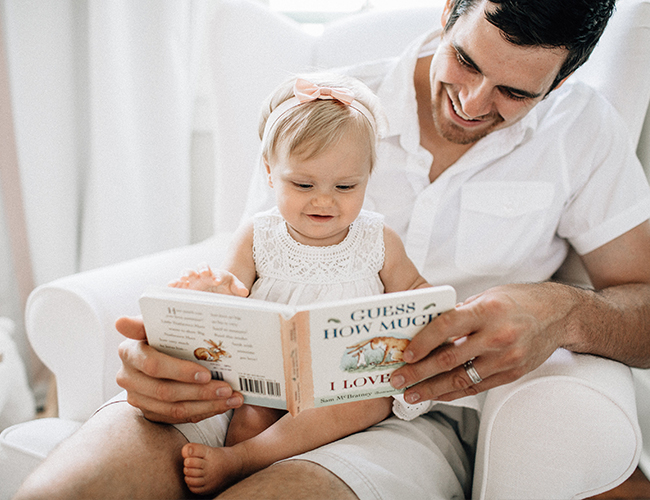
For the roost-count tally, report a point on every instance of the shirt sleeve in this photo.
(611, 194)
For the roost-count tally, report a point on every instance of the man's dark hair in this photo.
(575, 25)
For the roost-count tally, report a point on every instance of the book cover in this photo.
(293, 357)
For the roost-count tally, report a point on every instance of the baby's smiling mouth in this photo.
(320, 218)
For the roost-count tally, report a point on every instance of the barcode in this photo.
(216, 375)
(257, 386)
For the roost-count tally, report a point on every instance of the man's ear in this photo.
(561, 82)
(269, 180)
(446, 12)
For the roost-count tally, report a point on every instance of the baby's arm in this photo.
(399, 273)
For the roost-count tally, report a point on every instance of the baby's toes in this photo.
(193, 466)
(194, 451)
(196, 485)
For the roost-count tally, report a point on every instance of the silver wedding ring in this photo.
(472, 373)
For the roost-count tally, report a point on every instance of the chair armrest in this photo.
(70, 321)
(24, 446)
(642, 390)
(568, 429)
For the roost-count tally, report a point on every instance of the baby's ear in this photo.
(269, 180)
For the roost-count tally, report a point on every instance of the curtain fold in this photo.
(103, 97)
(136, 196)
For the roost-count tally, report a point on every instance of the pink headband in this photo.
(305, 91)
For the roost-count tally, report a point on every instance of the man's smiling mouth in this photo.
(460, 113)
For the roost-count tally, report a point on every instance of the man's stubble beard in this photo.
(455, 133)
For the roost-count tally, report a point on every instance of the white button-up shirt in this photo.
(508, 209)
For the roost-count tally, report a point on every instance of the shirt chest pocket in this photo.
(500, 224)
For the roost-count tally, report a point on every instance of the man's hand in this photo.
(164, 388)
(507, 331)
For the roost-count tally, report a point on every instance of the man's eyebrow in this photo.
(468, 60)
(466, 57)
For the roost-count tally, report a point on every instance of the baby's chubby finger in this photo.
(181, 282)
(238, 288)
(234, 284)
(188, 274)
(204, 269)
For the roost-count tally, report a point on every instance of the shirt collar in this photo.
(397, 94)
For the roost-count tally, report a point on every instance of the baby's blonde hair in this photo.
(311, 128)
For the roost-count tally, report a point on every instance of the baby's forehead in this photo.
(314, 147)
(345, 159)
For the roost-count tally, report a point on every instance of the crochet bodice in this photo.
(291, 272)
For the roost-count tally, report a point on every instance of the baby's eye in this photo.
(345, 187)
(302, 185)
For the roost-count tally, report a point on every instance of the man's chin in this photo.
(461, 136)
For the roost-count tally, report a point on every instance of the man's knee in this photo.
(115, 454)
(289, 480)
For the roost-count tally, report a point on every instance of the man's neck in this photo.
(444, 153)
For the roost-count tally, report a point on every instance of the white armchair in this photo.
(70, 321)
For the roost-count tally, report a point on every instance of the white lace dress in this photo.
(292, 273)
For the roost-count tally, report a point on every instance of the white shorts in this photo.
(423, 459)
(430, 457)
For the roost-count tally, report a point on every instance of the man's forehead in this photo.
(487, 49)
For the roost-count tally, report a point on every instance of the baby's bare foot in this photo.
(209, 470)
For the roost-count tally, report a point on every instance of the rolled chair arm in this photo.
(568, 429)
(70, 321)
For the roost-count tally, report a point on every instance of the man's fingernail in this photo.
(408, 356)
(412, 397)
(234, 401)
(397, 382)
(202, 377)
(223, 392)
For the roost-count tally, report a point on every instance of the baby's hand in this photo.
(207, 281)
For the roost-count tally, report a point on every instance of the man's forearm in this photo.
(613, 323)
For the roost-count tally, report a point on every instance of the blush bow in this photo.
(306, 91)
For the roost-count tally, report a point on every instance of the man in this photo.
(491, 167)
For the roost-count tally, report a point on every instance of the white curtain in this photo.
(103, 98)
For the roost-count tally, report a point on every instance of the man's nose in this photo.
(476, 100)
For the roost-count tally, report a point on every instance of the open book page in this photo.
(237, 339)
(355, 346)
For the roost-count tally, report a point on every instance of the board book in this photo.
(293, 358)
